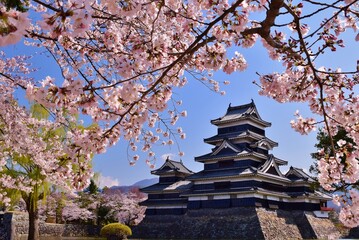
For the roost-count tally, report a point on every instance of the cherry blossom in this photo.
(13, 27)
(73, 212)
(98, 208)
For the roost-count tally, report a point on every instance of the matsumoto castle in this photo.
(239, 172)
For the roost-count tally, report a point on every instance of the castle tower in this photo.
(164, 196)
(240, 172)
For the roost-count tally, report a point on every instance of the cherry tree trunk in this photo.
(34, 233)
(33, 226)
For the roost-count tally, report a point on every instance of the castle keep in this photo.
(238, 172)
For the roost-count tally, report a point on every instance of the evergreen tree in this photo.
(16, 4)
(324, 143)
(92, 188)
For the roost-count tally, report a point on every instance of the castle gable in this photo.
(171, 166)
(264, 143)
(271, 167)
(226, 147)
(242, 112)
(297, 174)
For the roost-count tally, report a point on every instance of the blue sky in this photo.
(203, 105)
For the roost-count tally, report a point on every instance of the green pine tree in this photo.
(324, 142)
(19, 5)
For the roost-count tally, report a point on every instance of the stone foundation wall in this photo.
(237, 223)
(234, 223)
(14, 226)
(323, 228)
(278, 225)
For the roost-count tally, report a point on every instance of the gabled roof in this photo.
(171, 166)
(297, 174)
(232, 136)
(279, 162)
(271, 167)
(223, 173)
(226, 144)
(244, 153)
(265, 143)
(323, 195)
(157, 187)
(246, 111)
(179, 186)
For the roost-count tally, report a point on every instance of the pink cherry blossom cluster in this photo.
(74, 21)
(122, 60)
(350, 211)
(124, 208)
(303, 126)
(329, 93)
(73, 212)
(13, 26)
(339, 170)
(29, 155)
(85, 207)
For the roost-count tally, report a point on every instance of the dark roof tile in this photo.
(221, 173)
(172, 166)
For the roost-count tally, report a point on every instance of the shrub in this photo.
(116, 229)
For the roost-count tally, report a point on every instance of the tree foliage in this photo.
(27, 172)
(92, 188)
(19, 5)
(116, 229)
(98, 208)
(324, 146)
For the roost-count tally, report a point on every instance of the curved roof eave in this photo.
(219, 121)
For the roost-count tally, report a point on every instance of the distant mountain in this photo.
(140, 184)
(145, 182)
